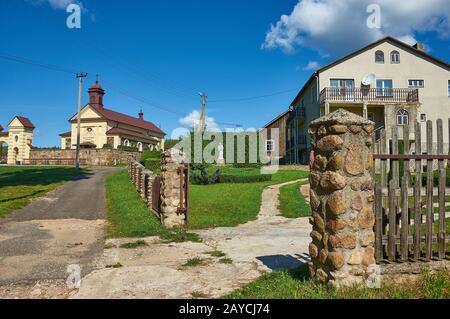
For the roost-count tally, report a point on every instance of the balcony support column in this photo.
(365, 114)
(327, 108)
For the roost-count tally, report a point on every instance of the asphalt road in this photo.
(66, 227)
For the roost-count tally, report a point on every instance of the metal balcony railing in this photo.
(332, 94)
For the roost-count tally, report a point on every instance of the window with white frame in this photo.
(139, 146)
(402, 117)
(416, 83)
(269, 145)
(126, 143)
(395, 57)
(423, 117)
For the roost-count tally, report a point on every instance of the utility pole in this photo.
(202, 121)
(80, 77)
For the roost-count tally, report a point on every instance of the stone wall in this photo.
(95, 157)
(170, 187)
(342, 247)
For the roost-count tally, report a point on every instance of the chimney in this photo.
(419, 46)
(96, 94)
(141, 115)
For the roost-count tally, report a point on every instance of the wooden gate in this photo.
(156, 195)
(410, 197)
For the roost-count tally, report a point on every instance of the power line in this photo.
(151, 77)
(38, 64)
(253, 97)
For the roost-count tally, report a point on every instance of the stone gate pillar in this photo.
(342, 198)
(171, 215)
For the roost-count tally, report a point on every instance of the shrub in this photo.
(107, 146)
(200, 175)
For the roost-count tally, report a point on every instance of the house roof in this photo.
(25, 122)
(277, 118)
(126, 119)
(67, 134)
(4, 134)
(399, 43)
(122, 131)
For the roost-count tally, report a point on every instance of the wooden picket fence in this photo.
(407, 227)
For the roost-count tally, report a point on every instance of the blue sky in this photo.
(166, 51)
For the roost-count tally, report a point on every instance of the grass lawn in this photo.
(292, 203)
(129, 216)
(20, 184)
(231, 204)
(296, 284)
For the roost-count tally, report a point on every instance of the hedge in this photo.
(153, 164)
(148, 154)
(244, 179)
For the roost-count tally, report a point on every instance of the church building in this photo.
(102, 127)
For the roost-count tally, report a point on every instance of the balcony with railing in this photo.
(370, 95)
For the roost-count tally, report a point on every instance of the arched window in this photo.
(126, 143)
(139, 146)
(16, 138)
(402, 117)
(395, 57)
(379, 56)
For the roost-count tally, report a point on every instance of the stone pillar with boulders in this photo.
(171, 215)
(342, 196)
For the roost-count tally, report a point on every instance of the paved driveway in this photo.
(65, 227)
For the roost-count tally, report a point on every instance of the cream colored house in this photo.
(19, 139)
(101, 127)
(388, 82)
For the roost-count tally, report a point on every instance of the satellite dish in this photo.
(368, 79)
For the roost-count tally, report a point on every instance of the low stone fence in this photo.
(92, 157)
(144, 180)
(165, 195)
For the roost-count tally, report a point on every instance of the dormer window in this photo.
(379, 56)
(395, 57)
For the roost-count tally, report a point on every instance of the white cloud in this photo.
(311, 66)
(193, 119)
(333, 27)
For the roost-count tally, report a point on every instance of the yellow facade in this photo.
(95, 128)
(19, 139)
